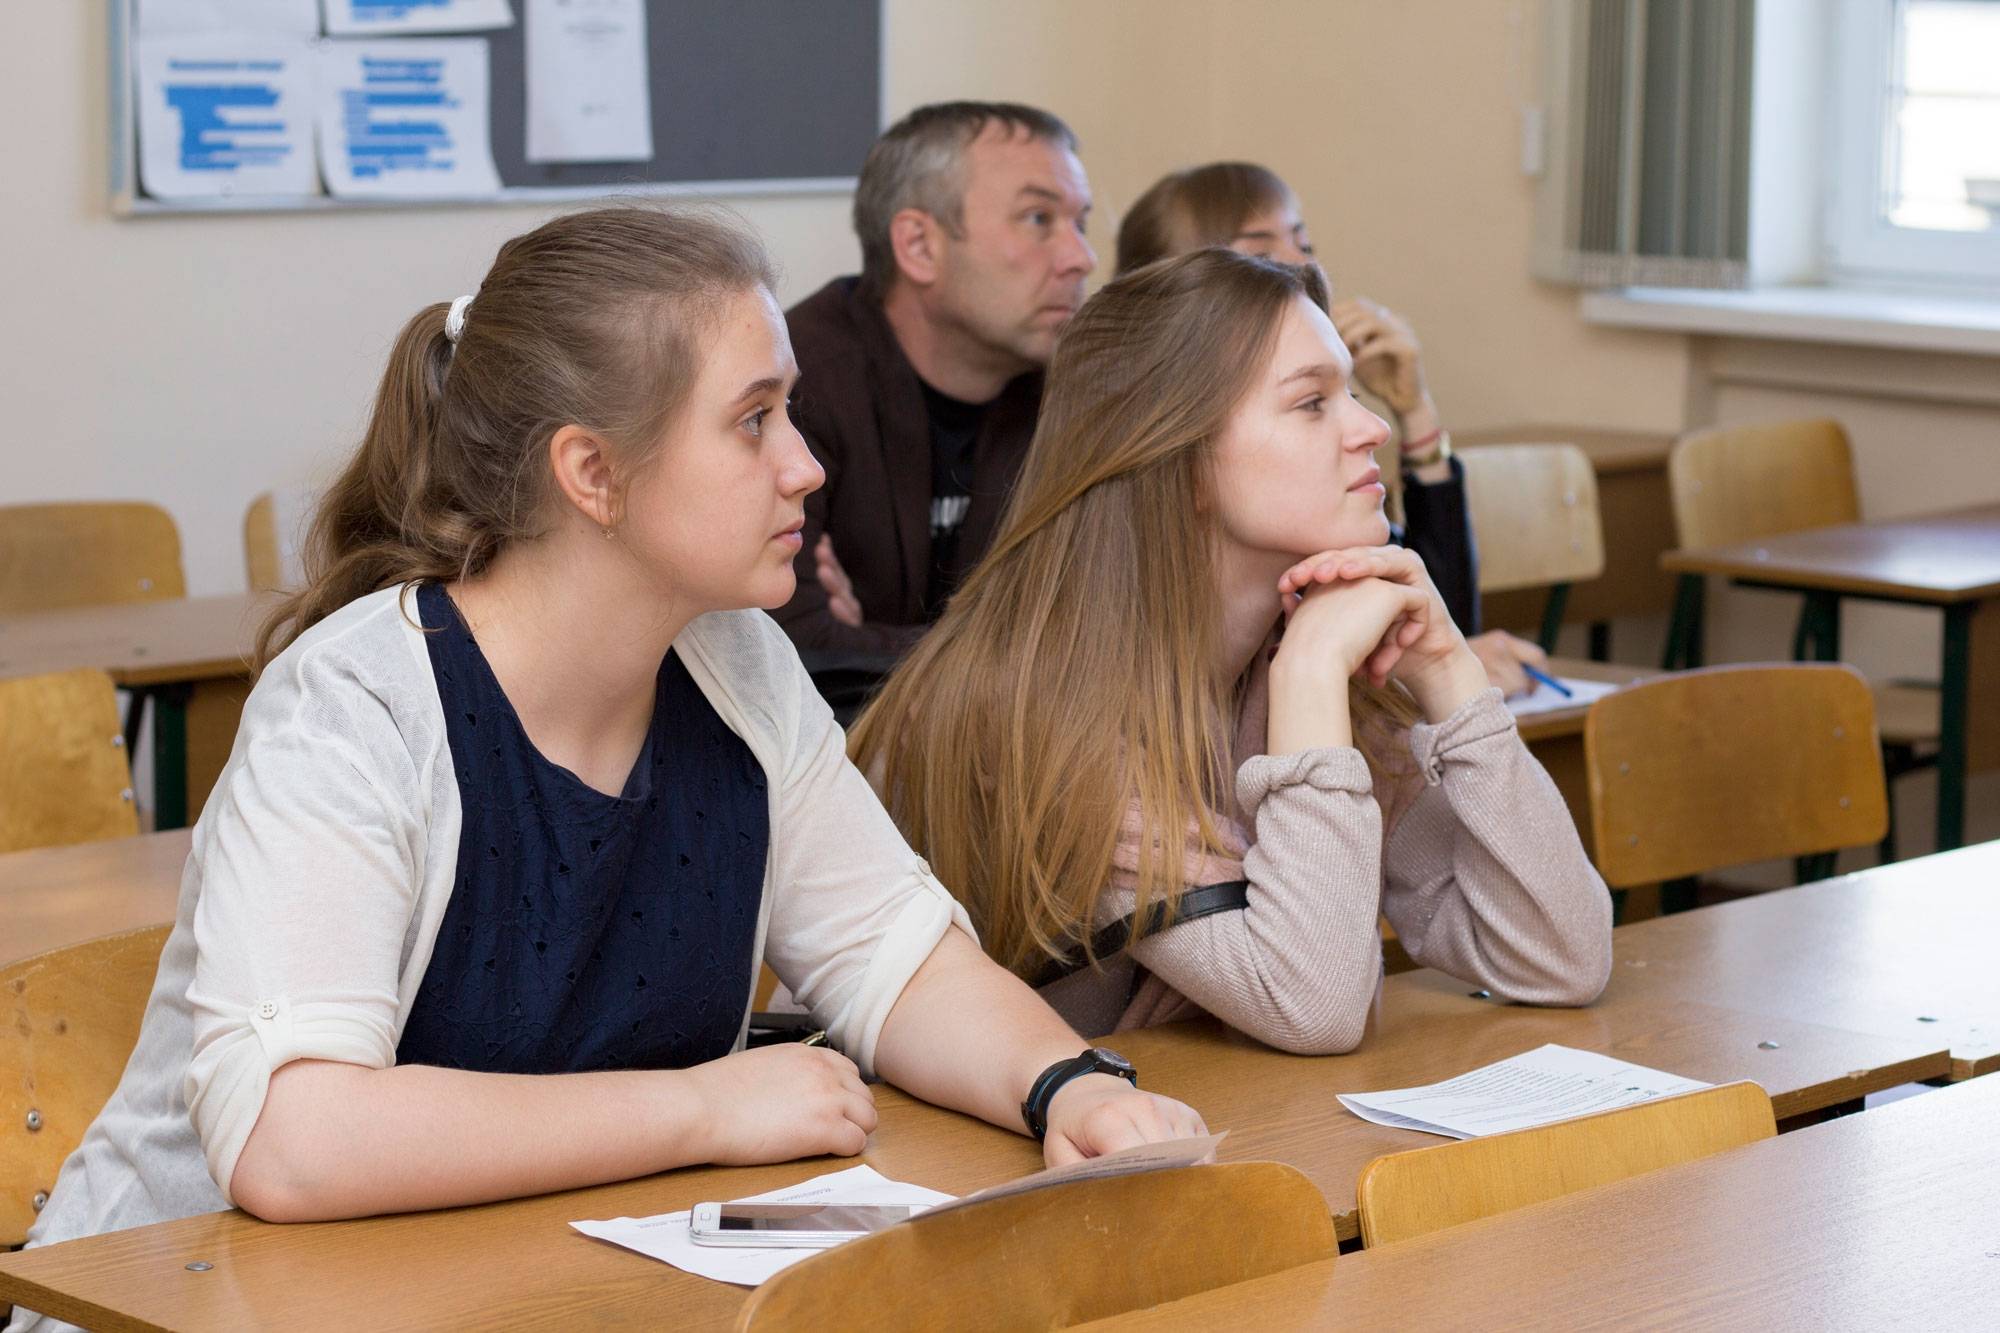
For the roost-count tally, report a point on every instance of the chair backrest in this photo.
(1718, 767)
(1408, 1194)
(1059, 1256)
(1534, 514)
(55, 556)
(274, 526)
(263, 566)
(71, 1020)
(1744, 482)
(64, 773)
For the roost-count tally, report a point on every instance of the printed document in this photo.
(1540, 1087)
(1543, 699)
(395, 18)
(589, 98)
(223, 115)
(406, 119)
(666, 1236)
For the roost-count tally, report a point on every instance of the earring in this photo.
(609, 533)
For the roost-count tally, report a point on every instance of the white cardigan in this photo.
(323, 862)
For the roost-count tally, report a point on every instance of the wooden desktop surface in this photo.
(139, 643)
(1885, 1219)
(518, 1261)
(1938, 558)
(51, 897)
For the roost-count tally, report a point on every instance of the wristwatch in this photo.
(1435, 450)
(1095, 1060)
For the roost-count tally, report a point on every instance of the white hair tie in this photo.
(454, 321)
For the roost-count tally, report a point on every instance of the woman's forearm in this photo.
(338, 1140)
(970, 1035)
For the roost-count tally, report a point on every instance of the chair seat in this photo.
(1907, 714)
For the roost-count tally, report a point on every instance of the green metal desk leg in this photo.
(1600, 641)
(170, 756)
(1552, 615)
(1818, 635)
(1951, 725)
(1684, 632)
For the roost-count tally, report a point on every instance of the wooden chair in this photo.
(1717, 767)
(55, 556)
(1740, 483)
(65, 776)
(1534, 512)
(72, 1017)
(1059, 1256)
(273, 527)
(1409, 1194)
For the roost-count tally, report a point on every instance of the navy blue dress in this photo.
(588, 931)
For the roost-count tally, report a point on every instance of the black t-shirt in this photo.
(954, 430)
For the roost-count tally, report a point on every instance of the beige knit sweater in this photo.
(1472, 857)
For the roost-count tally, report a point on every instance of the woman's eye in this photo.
(1314, 405)
(754, 423)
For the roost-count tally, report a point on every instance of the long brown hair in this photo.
(591, 319)
(1076, 669)
(1186, 210)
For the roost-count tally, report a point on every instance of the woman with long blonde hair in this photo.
(1251, 209)
(1191, 726)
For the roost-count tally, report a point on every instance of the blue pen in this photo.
(1550, 681)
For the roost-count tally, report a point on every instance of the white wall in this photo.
(197, 361)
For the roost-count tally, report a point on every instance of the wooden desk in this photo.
(518, 1261)
(1872, 1221)
(1904, 950)
(1949, 561)
(190, 655)
(1632, 498)
(57, 896)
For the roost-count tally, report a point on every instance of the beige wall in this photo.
(1395, 121)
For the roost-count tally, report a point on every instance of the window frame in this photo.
(1862, 246)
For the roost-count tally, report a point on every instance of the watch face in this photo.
(1112, 1058)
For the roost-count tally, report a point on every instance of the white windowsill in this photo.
(1918, 321)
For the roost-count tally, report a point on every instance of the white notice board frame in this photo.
(127, 200)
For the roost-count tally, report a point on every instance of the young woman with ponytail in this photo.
(1189, 671)
(525, 793)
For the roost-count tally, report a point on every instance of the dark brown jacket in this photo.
(861, 408)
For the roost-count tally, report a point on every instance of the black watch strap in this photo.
(1095, 1060)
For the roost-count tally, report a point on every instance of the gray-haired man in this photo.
(921, 377)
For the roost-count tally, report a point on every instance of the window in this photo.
(1915, 193)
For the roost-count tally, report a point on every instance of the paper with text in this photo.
(300, 18)
(666, 1237)
(389, 18)
(1542, 699)
(589, 95)
(406, 119)
(1539, 1087)
(223, 115)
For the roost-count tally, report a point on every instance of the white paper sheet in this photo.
(386, 18)
(300, 18)
(1545, 700)
(589, 96)
(1538, 1087)
(225, 115)
(406, 119)
(666, 1238)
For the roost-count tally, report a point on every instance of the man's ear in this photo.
(581, 463)
(917, 240)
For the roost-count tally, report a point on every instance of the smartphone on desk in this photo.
(789, 1225)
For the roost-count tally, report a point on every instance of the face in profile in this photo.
(1014, 274)
(717, 509)
(1294, 472)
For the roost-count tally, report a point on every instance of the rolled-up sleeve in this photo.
(854, 911)
(309, 878)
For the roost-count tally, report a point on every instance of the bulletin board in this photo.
(748, 97)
